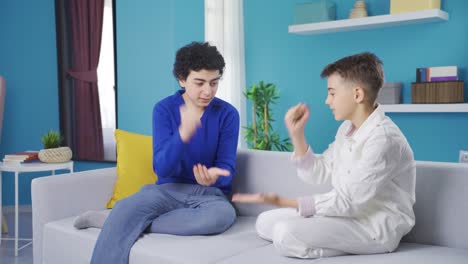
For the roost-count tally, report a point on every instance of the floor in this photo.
(7, 248)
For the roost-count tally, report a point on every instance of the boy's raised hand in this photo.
(189, 122)
(207, 177)
(296, 118)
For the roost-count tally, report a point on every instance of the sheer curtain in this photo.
(106, 84)
(224, 28)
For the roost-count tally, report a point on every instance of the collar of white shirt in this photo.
(372, 121)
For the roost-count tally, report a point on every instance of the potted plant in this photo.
(259, 134)
(53, 151)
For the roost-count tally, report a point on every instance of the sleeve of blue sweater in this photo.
(227, 148)
(167, 144)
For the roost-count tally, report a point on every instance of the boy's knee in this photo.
(285, 241)
(226, 218)
(230, 213)
(124, 205)
(264, 225)
(281, 233)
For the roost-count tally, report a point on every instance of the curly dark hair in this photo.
(197, 56)
(364, 69)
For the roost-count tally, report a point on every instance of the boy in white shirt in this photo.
(370, 166)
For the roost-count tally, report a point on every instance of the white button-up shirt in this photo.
(373, 175)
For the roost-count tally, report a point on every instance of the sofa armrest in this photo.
(66, 195)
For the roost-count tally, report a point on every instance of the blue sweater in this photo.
(213, 145)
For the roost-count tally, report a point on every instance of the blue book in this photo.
(423, 74)
(420, 75)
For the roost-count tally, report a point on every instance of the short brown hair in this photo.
(364, 69)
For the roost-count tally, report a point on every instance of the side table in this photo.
(35, 166)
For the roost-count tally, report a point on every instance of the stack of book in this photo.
(437, 74)
(437, 85)
(18, 158)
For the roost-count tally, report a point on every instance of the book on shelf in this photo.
(443, 79)
(443, 71)
(437, 74)
(11, 162)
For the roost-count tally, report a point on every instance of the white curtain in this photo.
(106, 84)
(224, 28)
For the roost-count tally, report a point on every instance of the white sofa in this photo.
(440, 234)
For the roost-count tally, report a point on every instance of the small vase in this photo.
(359, 10)
(55, 155)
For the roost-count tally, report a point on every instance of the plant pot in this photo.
(55, 155)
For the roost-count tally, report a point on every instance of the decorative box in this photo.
(390, 93)
(437, 92)
(316, 11)
(401, 6)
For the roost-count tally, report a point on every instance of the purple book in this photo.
(443, 79)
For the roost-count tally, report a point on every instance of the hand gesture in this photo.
(296, 118)
(207, 177)
(189, 122)
(261, 198)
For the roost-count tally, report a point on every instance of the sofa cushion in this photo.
(134, 164)
(76, 246)
(239, 244)
(406, 253)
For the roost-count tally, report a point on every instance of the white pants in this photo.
(314, 237)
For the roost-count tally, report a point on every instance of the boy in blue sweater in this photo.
(194, 148)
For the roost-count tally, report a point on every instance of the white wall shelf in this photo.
(425, 108)
(371, 22)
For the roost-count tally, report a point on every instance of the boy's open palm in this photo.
(296, 119)
(189, 122)
(207, 177)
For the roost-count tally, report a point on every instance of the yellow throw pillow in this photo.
(134, 164)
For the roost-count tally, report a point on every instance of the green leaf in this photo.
(53, 139)
(263, 94)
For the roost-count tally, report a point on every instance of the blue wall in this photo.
(28, 61)
(148, 35)
(294, 63)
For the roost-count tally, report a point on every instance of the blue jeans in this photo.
(172, 208)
